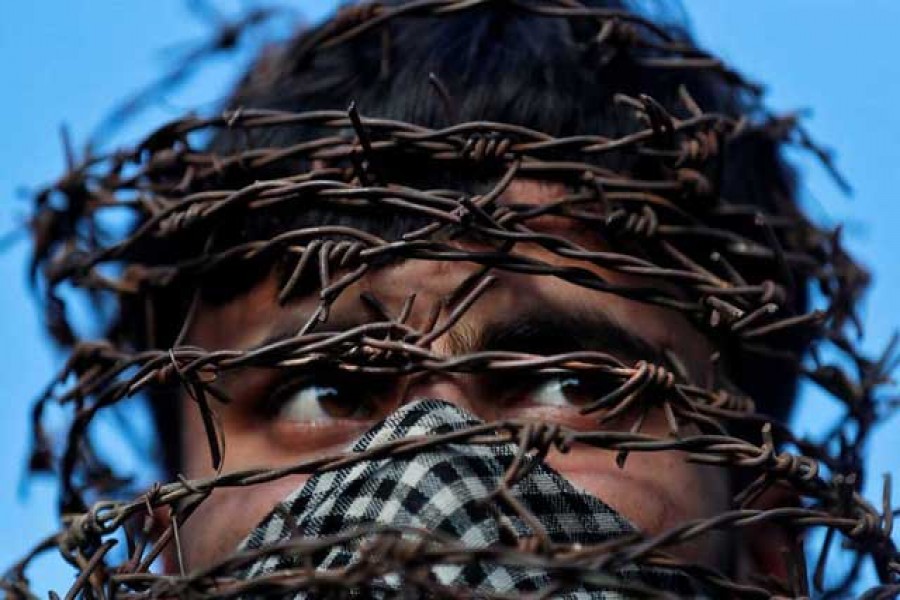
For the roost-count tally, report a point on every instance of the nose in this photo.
(450, 388)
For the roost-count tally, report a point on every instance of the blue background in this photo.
(69, 62)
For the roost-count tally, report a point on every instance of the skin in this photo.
(656, 491)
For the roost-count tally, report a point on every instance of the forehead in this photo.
(429, 284)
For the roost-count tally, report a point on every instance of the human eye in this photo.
(325, 398)
(567, 390)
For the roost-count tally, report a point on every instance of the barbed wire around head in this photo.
(691, 239)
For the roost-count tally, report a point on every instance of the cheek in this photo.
(655, 491)
(228, 515)
(223, 520)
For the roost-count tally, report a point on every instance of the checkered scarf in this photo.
(446, 492)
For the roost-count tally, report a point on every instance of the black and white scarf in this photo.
(446, 491)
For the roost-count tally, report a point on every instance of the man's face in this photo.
(275, 420)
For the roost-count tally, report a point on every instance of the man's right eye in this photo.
(316, 401)
(570, 390)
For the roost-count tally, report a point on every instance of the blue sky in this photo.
(68, 62)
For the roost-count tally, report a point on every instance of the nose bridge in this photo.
(455, 389)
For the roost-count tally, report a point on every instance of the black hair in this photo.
(495, 65)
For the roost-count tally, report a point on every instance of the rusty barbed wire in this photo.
(691, 240)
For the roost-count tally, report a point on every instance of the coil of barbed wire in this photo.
(169, 184)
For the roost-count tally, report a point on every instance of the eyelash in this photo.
(343, 384)
(587, 389)
(371, 396)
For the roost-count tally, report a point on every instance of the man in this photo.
(486, 332)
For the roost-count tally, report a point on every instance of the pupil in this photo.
(574, 390)
(337, 405)
(329, 399)
(583, 390)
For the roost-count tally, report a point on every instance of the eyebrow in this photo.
(546, 331)
(287, 332)
(550, 331)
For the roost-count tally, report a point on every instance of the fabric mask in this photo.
(447, 491)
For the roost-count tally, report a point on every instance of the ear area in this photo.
(772, 550)
(162, 535)
(149, 538)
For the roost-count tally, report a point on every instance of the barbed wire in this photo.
(692, 242)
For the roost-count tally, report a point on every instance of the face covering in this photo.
(446, 492)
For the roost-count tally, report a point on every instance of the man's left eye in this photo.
(568, 390)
